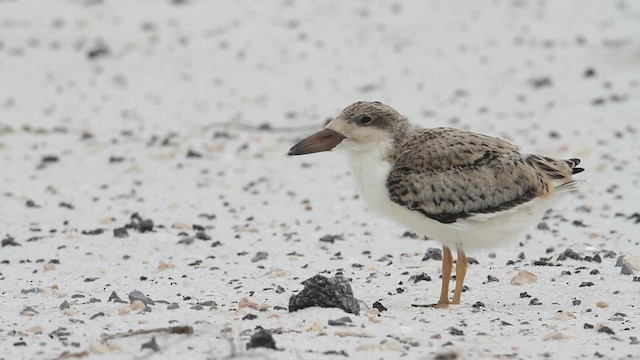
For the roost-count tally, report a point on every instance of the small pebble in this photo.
(524, 277)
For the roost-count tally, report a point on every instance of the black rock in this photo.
(261, 338)
(540, 82)
(97, 231)
(96, 315)
(569, 253)
(120, 232)
(378, 305)
(478, 305)
(9, 241)
(432, 254)
(626, 269)
(607, 330)
(115, 298)
(140, 224)
(137, 295)
(331, 238)
(491, 278)
(343, 321)
(250, 317)
(420, 277)
(325, 292)
(455, 332)
(535, 301)
(260, 255)
(65, 305)
(151, 344)
(99, 50)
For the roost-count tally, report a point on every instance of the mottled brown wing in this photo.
(449, 174)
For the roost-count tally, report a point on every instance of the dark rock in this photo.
(331, 238)
(576, 302)
(137, 295)
(626, 269)
(543, 226)
(419, 277)
(378, 305)
(151, 344)
(535, 301)
(250, 317)
(260, 255)
(478, 305)
(343, 321)
(569, 253)
(66, 205)
(325, 292)
(193, 154)
(606, 329)
(97, 231)
(589, 72)
(97, 51)
(96, 315)
(491, 278)
(261, 339)
(120, 232)
(586, 284)
(115, 298)
(173, 306)
(201, 235)
(186, 241)
(432, 254)
(455, 332)
(140, 224)
(32, 290)
(587, 326)
(28, 309)
(65, 305)
(9, 241)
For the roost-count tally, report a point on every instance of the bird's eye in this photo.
(365, 120)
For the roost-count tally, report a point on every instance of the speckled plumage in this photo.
(461, 188)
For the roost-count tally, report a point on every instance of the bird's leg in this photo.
(447, 267)
(461, 271)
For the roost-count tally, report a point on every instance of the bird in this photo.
(465, 190)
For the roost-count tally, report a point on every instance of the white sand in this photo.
(190, 69)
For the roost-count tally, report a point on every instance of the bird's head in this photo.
(360, 126)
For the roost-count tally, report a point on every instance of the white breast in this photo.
(371, 171)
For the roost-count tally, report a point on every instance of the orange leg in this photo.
(461, 272)
(447, 267)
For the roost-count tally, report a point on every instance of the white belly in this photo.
(482, 231)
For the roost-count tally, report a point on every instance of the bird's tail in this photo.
(560, 171)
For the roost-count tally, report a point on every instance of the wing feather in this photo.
(449, 174)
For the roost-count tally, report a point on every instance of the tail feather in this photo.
(569, 185)
(573, 163)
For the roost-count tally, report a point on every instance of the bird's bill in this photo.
(323, 140)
